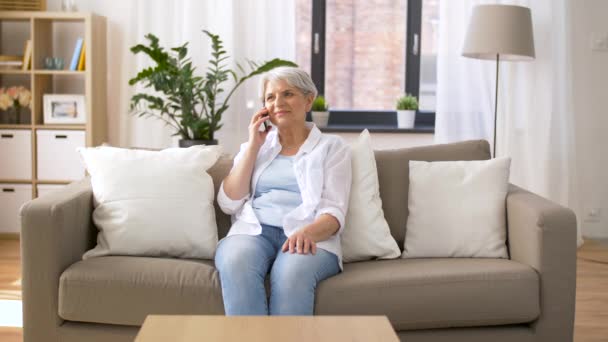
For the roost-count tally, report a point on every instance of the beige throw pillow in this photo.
(366, 233)
(153, 203)
(457, 209)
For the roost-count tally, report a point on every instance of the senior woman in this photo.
(288, 193)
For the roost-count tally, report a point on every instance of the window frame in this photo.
(357, 119)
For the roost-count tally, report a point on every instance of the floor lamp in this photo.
(499, 32)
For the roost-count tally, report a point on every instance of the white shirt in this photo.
(323, 171)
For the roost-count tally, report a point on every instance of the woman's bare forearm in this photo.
(322, 228)
(238, 182)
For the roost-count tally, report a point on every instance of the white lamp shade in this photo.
(504, 30)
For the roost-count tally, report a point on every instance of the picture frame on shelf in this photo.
(64, 109)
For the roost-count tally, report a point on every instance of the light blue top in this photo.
(277, 192)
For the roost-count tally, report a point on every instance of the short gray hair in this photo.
(295, 77)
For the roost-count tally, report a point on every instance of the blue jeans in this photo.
(243, 262)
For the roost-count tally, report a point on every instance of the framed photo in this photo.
(64, 109)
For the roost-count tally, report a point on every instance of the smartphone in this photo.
(266, 123)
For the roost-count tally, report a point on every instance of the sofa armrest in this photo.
(56, 230)
(542, 234)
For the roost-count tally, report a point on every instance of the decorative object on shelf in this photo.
(189, 103)
(15, 99)
(320, 111)
(406, 111)
(64, 109)
(499, 31)
(53, 63)
(11, 62)
(23, 5)
(27, 55)
(69, 6)
(49, 63)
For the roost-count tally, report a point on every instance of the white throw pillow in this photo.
(457, 209)
(153, 203)
(366, 234)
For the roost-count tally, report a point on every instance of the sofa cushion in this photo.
(434, 293)
(366, 234)
(393, 175)
(153, 203)
(123, 290)
(413, 293)
(457, 209)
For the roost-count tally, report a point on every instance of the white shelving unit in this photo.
(35, 155)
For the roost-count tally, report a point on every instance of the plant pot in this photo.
(188, 142)
(406, 118)
(320, 118)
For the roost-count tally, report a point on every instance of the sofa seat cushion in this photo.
(434, 293)
(123, 290)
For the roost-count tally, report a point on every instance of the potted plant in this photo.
(15, 99)
(320, 111)
(406, 111)
(193, 105)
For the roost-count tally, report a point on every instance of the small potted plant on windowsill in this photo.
(320, 111)
(406, 111)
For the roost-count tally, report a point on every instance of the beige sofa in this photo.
(529, 297)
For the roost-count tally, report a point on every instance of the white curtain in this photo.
(536, 125)
(256, 30)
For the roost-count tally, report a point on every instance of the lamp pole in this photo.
(495, 105)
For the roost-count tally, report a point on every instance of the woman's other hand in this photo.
(299, 242)
(257, 138)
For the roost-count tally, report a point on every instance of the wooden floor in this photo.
(10, 290)
(591, 323)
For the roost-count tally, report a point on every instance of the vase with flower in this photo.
(14, 100)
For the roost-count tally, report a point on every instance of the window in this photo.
(428, 55)
(364, 54)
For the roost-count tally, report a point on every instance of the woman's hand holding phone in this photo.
(257, 137)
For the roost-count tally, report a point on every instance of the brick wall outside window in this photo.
(364, 50)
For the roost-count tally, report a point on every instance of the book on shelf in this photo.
(11, 63)
(76, 55)
(27, 55)
(81, 60)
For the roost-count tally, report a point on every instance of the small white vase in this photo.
(406, 118)
(320, 118)
(68, 6)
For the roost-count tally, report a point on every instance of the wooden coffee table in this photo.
(266, 328)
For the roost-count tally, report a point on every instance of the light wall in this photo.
(590, 81)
